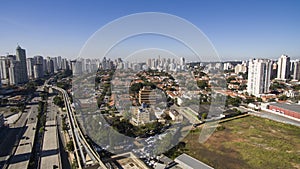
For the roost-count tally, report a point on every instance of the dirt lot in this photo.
(249, 142)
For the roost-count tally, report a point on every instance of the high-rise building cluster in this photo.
(82, 65)
(261, 71)
(169, 64)
(17, 69)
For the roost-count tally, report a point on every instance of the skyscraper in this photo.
(259, 73)
(283, 69)
(21, 58)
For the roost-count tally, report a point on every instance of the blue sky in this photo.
(238, 29)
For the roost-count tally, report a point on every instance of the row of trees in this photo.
(58, 100)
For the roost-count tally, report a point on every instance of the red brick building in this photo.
(292, 110)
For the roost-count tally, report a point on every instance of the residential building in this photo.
(77, 67)
(4, 65)
(29, 64)
(283, 69)
(55, 67)
(296, 71)
(59, 62)
(175, 116)
(240, 68)
(140, 116)
(14, 76)
(227, 66)
(274, 70)
(38, 71)
(50, 65)
(182, 61)
(259, 73)
(64, 64)
(147, 95)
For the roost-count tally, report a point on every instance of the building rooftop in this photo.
(292, 107)
(191, 162)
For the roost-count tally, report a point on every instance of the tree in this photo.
(21, 106)
(282, 97)
(234, 101)
(204, 116)
(229, 79)
(249, 100)
(58, 101)
(202, 84)
(259, 99)
(70, 146)
(136, 87)
(12, 109)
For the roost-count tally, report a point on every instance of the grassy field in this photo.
(249, 142)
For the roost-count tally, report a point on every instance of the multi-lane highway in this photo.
(50, 155)
(22, 151)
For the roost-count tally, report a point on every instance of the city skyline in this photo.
(238, 30)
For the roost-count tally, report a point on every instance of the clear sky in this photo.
(238, 29)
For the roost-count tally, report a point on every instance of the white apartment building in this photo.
(259, 74)
(283, 69)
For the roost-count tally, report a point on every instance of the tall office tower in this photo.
(259, 73)
(283, 69)
(59, 62)
(21, 57)
(38, 71)
(296, 73)
(29, 64)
